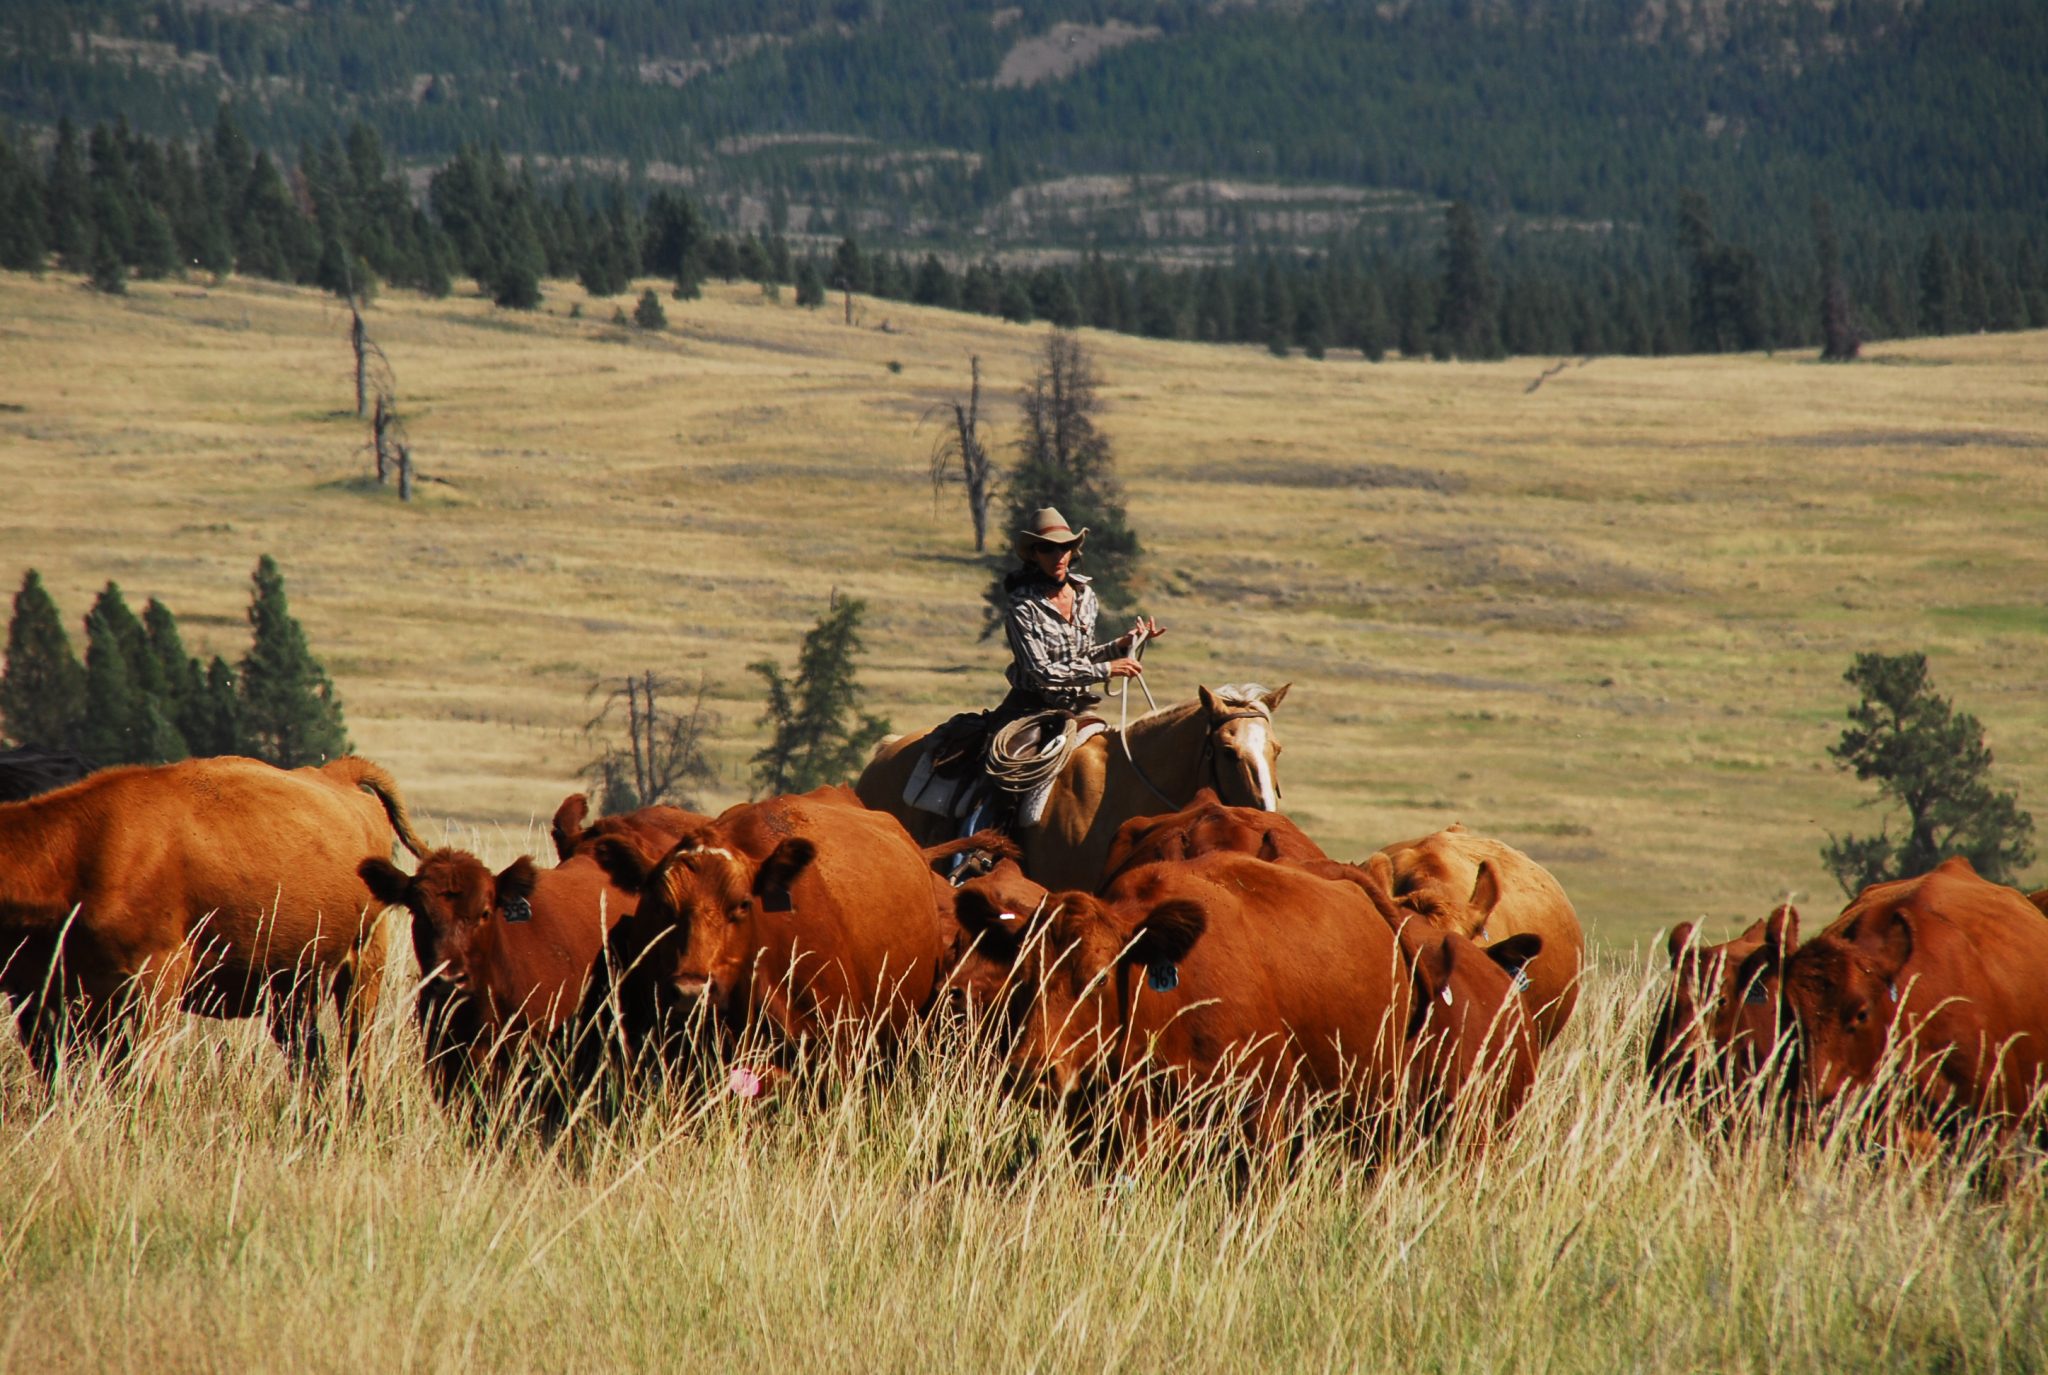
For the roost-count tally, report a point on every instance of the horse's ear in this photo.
(1275, 697)
(1210, 705)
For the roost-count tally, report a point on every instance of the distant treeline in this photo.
(1592, 110)
(113, 202)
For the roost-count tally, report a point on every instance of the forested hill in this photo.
(1121, 122)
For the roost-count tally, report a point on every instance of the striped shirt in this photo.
(1050, 655)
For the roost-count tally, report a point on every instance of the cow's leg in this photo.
(293, 1013)
(155, 1001)
(358, 987)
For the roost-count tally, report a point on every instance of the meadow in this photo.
(1605, 620)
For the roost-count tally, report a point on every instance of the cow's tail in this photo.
(359, 772)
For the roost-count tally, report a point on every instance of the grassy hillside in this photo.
(1605, 620)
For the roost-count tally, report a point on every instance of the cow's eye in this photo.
(738, 910)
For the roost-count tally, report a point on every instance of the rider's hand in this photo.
(1126, 668)
(1144, 627)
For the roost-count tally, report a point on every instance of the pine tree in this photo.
(184, 681)
(1467, 324)
(219, 729)
(649, 314)
(1063, 460)
(130, 709)
(1939, 310)
(290, 715)
(1839, 343)
(820, 734)
(810, 286)
(42, 690)
(1931, 759)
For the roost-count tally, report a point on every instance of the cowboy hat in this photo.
(1047, 526)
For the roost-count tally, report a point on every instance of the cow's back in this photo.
(1532, 901)
(1296, 971)
(865, 905)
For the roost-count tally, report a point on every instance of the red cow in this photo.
(1204, 826)
(1486, 890)
(503, 956)
(1946, 969)
(1222, 969)
(212, 885)
(813, 917)
(1719, 1020)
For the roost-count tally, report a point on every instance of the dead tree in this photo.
(380, 437)
(359, 341)
(662, 758)
(960, 446)
(405, 472)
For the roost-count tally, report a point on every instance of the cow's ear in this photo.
(515, 889)
(1431, 964)
(567, 827)
(1889, 945)
(1001, 930)
(1513, 953)
(1485, 890)
(1205, 797)
(1168, 932)
(387, 882)
(1273, 698)
(1380, 870)
(623, 862)
(1782, 929)
(1676, 944)
(780, 870)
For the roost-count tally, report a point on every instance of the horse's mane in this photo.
(1240, 695)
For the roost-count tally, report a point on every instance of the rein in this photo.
(1123, 730)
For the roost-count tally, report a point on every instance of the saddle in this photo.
(966, 769)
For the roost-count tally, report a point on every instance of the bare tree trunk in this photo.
(973, 457)
(405, 472)
(359, 340)
(380, 432)
(849, 305)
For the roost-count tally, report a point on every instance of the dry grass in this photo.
(210, 1218)
(1605, 621)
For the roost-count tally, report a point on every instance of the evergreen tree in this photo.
(1839, 343)
(649, 314)
(810, 286)
(1939, 308)
(290, 715)
(183, 697)
(1466, 323)
(1063, 460)
(131, 708)
(1932, 760)
(820, 734)
(42, 689)
(219, 727)
(68, 200)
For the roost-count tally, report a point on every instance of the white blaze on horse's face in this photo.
(1262, 765)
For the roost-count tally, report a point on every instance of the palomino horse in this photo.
(1222, 740)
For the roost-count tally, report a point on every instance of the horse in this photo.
(1224, 740)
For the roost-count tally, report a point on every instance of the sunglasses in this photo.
(1043, 548)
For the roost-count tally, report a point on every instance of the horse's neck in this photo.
(38, 847)
(1168, 746)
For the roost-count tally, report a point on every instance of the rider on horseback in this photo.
(1049, 614)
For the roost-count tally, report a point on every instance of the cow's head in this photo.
(1702, 981)
(1244, 748)
(1470, 1027)
(1845, 986)
(697, 926)
(1749, 1023)
(1069, 966)
(979, 966)
(455, 903)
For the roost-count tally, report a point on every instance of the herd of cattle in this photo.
(1220, 947)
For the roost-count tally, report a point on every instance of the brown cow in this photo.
(1486, 890)
(1716, 1027)
(658, 826)
(1227, 968)
(1946, 968)
(502, 956)
(1204, 826)
(801, 914)
(214, 885)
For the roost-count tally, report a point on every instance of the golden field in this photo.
(1605, 620)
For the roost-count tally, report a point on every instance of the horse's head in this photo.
(1243, 748)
